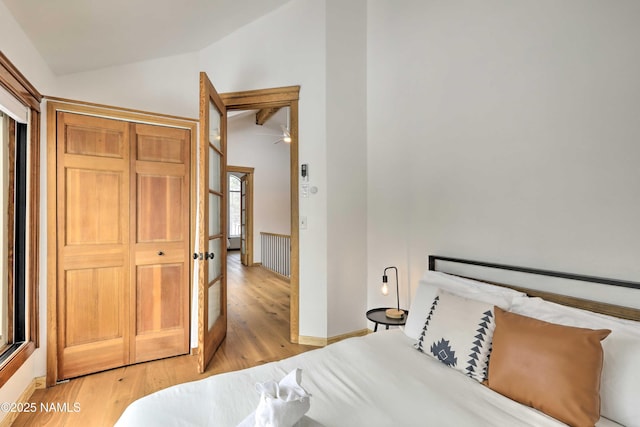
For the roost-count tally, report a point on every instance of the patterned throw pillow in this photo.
(458, 332)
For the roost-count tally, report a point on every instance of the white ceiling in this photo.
(80, 35)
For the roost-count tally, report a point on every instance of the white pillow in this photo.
(620, 380)
(432, 281)
(458, 332)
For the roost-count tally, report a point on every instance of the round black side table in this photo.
(378, 316)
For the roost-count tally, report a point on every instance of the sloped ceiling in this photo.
(80, 35)
(270, 131)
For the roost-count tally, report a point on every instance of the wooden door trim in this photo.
(249, 207)
(261, 98)
(121, 111)
(281, 97)
(52, 243)
(78, 107)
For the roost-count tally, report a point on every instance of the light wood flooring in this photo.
(257, 332)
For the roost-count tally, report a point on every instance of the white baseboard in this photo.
(36, 383)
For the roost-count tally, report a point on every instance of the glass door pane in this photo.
(215, 204)
(212, 282)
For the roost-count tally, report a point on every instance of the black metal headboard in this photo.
(580, 277)
(600, 307)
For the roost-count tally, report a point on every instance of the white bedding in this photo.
(376, 380)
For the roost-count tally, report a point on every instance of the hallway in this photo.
(258, 320)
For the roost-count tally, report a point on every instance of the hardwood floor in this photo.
(257, 332)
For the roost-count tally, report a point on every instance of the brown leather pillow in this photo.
(553, 368)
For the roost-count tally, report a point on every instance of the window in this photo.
(235, 224)
(14, 179)
(4, 267)
(20, 179)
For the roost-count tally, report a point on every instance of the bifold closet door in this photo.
(123, 243)
(93, 294)
(160, 241)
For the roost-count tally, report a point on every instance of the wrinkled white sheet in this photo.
(376, 380)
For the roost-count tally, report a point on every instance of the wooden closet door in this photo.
(160, 241)
(123, 243)
(93, 244)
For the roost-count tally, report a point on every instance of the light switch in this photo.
(305, 190)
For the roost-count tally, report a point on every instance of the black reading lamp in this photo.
(394, 313)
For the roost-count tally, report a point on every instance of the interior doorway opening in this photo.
(266, 103)
(240, 212)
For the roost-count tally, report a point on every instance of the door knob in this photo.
(204, 256)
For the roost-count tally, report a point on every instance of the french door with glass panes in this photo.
(212, 227)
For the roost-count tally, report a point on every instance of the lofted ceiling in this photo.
(272, 126)
(268, 121)
(80, 35)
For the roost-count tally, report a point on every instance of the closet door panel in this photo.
(158, 215)
(160, 242)
(93, 312)
(93, 136)
(167, 147)
(90, 213)
(93, 244)
(159, 298)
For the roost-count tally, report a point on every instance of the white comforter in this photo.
(377, 380)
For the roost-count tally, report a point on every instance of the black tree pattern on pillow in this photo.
(419, 344)
(480, 341)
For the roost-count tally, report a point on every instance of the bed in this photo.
(382, 379)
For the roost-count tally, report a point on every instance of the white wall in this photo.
(18, 48)
(165, 85)
(388, 127)
(248, 146)
(346, 159)
(506, 132)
